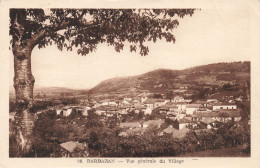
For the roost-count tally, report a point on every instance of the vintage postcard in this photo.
(129, 84)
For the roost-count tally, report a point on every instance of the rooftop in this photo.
(71, 146)
(130, 124)
(180, 133)
(140, 107)
(219, 113)
(184, 120)
(193, 105)
(224, 104)
(169, 130)
(207, 120)
(151, 101)
(155, 122)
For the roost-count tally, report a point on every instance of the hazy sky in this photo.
(209, 36)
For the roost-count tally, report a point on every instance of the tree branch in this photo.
(20, 29)
(67, 22)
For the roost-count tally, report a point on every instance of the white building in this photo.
(212, 100)
(191, 108)
(125, 102)
(112, 103)
(180, 116)
(178, 99)
(143, 99)
(159, 103)
(183, 123)
(85, 112)
(181, 106)
(148, 110)
(11, 116)
(105, 103)
(149, 104)
(224, 106)
(124, 109)
(67, 111)
(128, 99)
(100, 111)
(58, 111)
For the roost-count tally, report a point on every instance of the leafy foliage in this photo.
(85, 28)
(105, 142)
(169, 95)
(93, 120)
(157, 96)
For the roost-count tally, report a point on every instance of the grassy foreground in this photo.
(224, 152)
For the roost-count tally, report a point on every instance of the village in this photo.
(197, 115)
(135, 115)
(120, 116)
(80, 124)
(175, 115)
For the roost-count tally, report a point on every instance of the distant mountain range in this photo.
(48, 90)
(161, 80)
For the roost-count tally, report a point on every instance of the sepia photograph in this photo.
(85, 101)
(137, 85)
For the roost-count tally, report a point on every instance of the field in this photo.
(224, 152)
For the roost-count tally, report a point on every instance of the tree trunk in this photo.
(23, 84)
